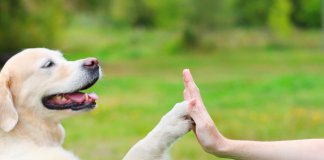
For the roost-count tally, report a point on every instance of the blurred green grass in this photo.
(263, 95)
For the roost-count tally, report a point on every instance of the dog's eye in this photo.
(48, 64)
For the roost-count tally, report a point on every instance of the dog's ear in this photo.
(8, 113)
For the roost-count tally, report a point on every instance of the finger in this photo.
(185, 77)
(198, 113)
(186, 95)
(190, 85)
(193, 109)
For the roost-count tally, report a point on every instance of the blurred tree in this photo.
(169, 13)
(33, 23)
(206, 16)
(306, 14)
(131, 12)
(87, 5)
(251, 12)
(303, 13)
(279, 21)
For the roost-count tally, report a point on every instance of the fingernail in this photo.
(185, 75)
(186, 70)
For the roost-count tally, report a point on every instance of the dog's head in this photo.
(42, 83)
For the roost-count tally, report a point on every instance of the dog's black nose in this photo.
(91, 63)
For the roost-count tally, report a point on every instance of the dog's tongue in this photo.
(79, 97)
(76, 97)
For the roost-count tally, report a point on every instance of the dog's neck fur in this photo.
(37, 130)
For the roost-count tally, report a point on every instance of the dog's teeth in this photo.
(57, 97)
(86, 97)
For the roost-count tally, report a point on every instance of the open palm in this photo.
(205, 130)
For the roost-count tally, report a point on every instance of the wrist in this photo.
(226, 148)
(221, 147)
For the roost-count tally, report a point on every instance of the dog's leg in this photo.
(155, 145)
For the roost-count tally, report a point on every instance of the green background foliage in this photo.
(194, 24)
(258, 64)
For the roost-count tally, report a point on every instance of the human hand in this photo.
(205, 130)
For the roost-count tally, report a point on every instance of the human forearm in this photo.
(213, 142)
(276, 150)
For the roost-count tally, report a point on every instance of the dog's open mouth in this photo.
(75, 101)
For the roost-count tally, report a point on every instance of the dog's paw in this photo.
(176, 122)
(172, 126)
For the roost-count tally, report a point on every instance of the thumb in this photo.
(192, 105)
(199, 113)
(193, 109)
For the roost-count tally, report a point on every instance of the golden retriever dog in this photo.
(39, 87)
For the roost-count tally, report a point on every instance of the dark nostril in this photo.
(91, 63)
